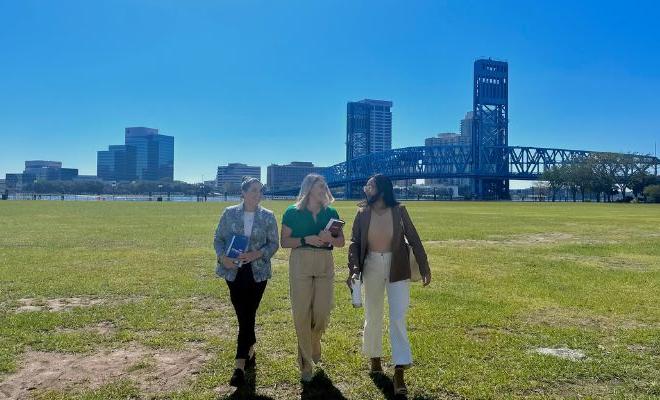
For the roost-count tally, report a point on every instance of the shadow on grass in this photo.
(386, 386)
(249, 391)
(321, 388)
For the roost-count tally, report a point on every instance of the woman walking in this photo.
(311, 267)
(379, 255)
(247, 274)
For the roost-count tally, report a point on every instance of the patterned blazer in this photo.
(264, 237)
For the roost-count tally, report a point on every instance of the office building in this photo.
(229, 177)
(117, 163)
(279, 177)
(49, 171)
(368, 127)
(154, 153)
(145, 155)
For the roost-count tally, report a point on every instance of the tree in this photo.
(571, 180)
(555, 178)
(640, 180)
(652, 193)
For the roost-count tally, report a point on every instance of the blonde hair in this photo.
(306, 187)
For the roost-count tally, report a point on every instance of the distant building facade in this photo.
(451, 139)
(467, 124)
(49, 171)
(229, 177)
(368, 127)
(154, 153)
(118, 163)
(18, 182)
(447, 138)
(145, 155)
(279, 177)
(39, 170)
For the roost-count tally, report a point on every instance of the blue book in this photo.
(237, 246)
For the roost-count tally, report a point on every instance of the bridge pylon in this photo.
(491, 128)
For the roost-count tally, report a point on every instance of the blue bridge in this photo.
(484, 156)
(454, 161)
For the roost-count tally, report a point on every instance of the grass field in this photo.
(119, 300)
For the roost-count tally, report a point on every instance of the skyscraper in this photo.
(466, 126)
(154, 153)
(368, 127)
(145, 155)
(116, 164)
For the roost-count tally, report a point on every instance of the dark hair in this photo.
(247, 182)
(385, 189)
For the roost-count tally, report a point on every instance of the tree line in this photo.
(604, 175)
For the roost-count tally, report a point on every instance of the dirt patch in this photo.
(576, 389)
(485, 333)
(645, 350)
(68, 303)
(152, 370)
(532, 239)
(102, 328)
(565, 317)
(55, 305)
(609, 262)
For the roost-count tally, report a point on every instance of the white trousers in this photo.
(375, 277)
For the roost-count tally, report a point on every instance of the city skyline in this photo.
(193, 83)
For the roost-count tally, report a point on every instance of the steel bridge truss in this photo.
(455, 161)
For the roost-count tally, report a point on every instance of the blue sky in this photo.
(266, 82)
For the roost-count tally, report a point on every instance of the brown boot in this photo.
(375, 365)
(399, 383)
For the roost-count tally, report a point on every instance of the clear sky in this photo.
(264, 82)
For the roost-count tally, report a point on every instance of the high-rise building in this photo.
(116, 164)
(289, 176)
(154, 153)
(466, 125)
(145, 155)
(229, 177)
(368, 127)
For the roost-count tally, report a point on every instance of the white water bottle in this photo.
(356, 291)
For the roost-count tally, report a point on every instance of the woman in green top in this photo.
(311, 267)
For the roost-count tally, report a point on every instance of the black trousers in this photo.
(245, 295)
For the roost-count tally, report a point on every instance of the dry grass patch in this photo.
(532, 239)
(607, 262)
(103, 328)
(565, 317)
(576, 389)
(67, 303)
(154, 371)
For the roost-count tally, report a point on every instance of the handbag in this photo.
(415, 275)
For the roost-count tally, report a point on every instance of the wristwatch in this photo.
(302, 241)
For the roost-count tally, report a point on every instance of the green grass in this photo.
(507, 278)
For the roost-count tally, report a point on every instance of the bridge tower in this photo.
(490, 128)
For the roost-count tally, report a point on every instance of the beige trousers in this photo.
(311, 274)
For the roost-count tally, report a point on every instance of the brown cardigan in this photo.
(400, 270)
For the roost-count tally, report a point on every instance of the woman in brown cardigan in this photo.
(378, 254)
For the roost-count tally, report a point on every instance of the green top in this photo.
(302, 222)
